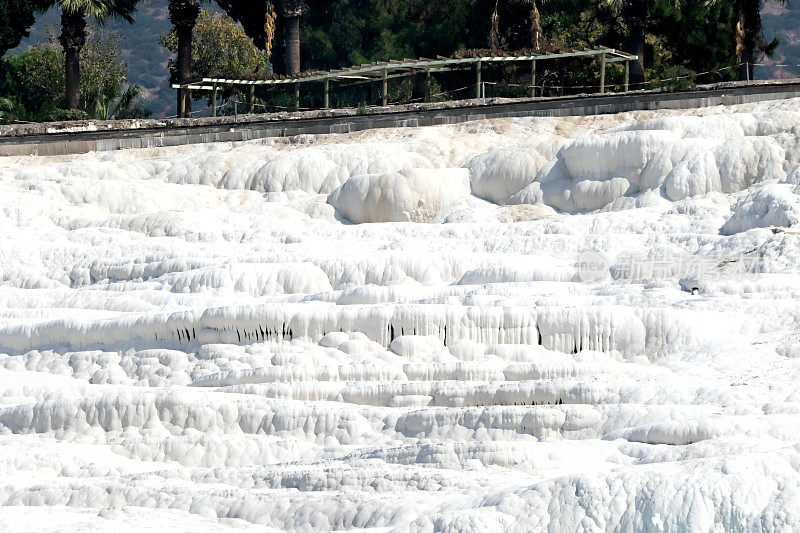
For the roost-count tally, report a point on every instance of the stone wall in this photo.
(62, 138)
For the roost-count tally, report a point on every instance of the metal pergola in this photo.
(407, 67)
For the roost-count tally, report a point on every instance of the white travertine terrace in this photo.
(522, 324)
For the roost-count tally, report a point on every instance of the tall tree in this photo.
(292, 10)
(257, 18)
(636, 15)
(220, 49)
(35, 81)
(749, 35)
(73, 35)
(183, 15)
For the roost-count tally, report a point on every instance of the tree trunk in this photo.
(73, 38)
(72, 75)
(537, 35)
(293, 45)
(183, 14)
(494, 34)
(184, 68)
(748, 30)
(635, 15)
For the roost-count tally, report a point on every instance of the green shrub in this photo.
(60, 115)
(677, 79)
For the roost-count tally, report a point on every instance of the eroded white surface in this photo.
(198, 338)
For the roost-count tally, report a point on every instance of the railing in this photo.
(383, 72)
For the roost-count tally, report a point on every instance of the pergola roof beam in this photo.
(375, 71)
(193, 87)
(443, 63)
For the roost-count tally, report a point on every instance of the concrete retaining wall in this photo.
(81, 137)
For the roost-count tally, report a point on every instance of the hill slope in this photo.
(782, 21)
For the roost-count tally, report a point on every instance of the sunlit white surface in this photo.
(521, 324)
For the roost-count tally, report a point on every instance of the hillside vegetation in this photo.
(335, 36)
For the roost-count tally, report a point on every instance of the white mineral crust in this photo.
(568, 324)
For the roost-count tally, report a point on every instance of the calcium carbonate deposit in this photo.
(569, 324)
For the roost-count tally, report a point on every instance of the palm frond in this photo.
(100, 9)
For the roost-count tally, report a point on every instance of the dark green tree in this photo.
(220, 48)
(637, 16)
(35, 81)
(17, 17)
(749, 35)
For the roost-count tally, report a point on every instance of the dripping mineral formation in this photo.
(553, 324)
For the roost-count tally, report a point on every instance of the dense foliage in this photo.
(698, 36)
(220, 48)
(683, 42)
(21, 13)
(35, 83)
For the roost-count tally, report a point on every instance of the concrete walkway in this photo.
(63, 138)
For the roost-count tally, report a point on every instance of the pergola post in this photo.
(627, 74)
(427, 85)
(214, 99)
(181, 103)
(381, 73)
(478, 79)
(385, 90)
(602, 73)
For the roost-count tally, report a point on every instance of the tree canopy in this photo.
(220, 48)
(681, 41)
(36, 81)
(19, 15)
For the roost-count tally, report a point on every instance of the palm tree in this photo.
(73, 35)
(119, 104)
(635, 14)
(183, 15)
(256, 16)
(292, 10)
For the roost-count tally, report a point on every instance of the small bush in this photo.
(438, 94)
(7, 110)
(677, 79)
(60, 115)
(402, 92)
